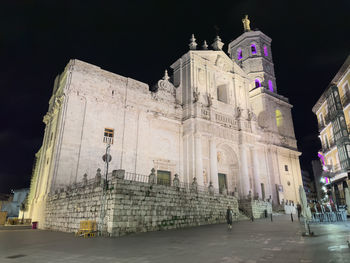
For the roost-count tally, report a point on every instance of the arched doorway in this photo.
(227, 168)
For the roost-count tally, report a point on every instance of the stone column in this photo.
(199, 160)
(256, 169)
(245, 184)
(214, 164)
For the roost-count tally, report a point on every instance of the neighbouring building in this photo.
(333, 114)
(308, 185)
(13, 206)
(218, 118)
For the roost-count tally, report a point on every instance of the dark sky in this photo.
(139, 39)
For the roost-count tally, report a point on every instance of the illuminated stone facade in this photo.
(211, 120)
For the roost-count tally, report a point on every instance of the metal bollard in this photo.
(291, 217)
(271, 217)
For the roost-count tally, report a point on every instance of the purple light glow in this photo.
(265, 51)
(257, 83)
(320, 155)
(253, 47)
(270, 86)
(239, 54)
(327, 180)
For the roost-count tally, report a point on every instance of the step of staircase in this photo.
(242, 217)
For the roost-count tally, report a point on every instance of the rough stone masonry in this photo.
(131, 206)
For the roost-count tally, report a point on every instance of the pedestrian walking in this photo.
(299, 210)
(229, 217)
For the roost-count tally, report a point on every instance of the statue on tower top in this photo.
(246, 23)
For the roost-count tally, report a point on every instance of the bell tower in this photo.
(252, 51)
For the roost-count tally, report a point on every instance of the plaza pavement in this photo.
(258, 241)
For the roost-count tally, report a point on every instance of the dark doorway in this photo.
(338, 199)
(163, 177)
(222, 182)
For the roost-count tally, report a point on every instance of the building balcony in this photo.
(345, 100)
(329, 145)
(321, 126)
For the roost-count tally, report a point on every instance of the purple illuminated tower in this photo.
(252, 51)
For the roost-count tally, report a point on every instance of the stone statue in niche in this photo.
(196, 94)
(210, 100)
(238, 112)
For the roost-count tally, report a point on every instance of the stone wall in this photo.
(255, 208)
(135, 207)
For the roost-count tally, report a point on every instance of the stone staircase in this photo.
(242, 215)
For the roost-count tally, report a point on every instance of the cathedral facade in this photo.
(218, 118)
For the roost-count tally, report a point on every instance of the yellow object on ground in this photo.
(87, 228)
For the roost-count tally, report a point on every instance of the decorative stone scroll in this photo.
(165, 90)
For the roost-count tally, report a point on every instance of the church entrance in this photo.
(227, 169)
(222, 182)
(163, 177)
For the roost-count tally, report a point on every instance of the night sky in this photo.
(139, 39)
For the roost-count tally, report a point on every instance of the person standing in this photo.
(229, 217)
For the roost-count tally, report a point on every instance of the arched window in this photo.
(265, 51)
(257, 83)
(270, 85)
(239, 54)
(279, 119)
(253, 48)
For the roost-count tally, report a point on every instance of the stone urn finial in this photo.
(217, 45)
(194, 185)
(98, 176)
(166, 76)
(193, 44)
(152, 179)
(205, 45)
(211, 188)
(176, 181)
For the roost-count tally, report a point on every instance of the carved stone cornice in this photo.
(54, 109)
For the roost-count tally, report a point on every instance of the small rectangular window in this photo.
(108, 136)
(286, 168)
